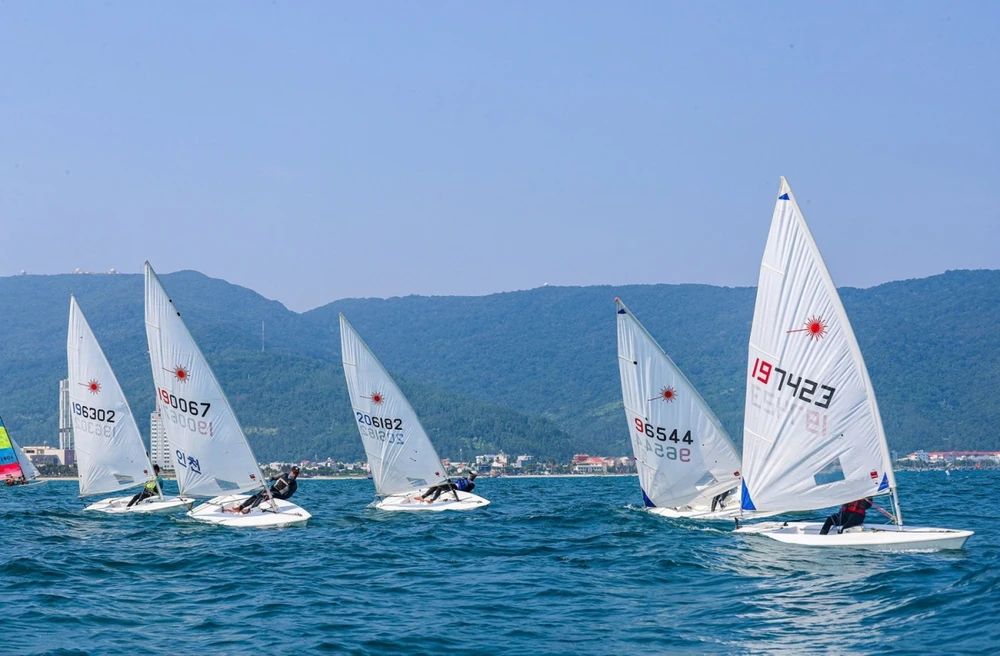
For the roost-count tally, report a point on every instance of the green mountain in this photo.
(532, 371)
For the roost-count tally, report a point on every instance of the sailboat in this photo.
(110, 454)
(212, 455)
(812, 433)
(14, 465)
(688, 467)
(401, 458)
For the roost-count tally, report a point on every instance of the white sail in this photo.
(400, 455)
(683, 455)
(27, 467)
(110, 453)
(813, 436)
(211, 453)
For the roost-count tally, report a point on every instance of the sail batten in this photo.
(109, 449)
(683, 455)
(813, 436)
(210, 451)
(401, 457)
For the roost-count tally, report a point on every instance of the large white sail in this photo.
(211, 453)
(683, 455)
(813, 436)
(400, 455)
(110, 453)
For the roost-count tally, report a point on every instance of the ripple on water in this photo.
(553, 566)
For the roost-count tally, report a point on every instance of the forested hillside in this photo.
(532, 371)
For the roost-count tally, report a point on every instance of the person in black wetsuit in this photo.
(720, 500)
(284, 487)
(462, 485)
(850, 515)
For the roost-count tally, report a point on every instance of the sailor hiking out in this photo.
(153, 488)
(284, 487)
(464, 484)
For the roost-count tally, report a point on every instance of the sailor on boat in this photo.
(152, 489)
(850, 515)
(464, 484)
(720, 499)
(284, 487)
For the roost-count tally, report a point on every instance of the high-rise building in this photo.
(159, 448)
(66, 439)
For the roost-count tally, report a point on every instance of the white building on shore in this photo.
(66, 438)
(159, 447)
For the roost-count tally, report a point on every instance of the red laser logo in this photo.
(815, 326)
(666, 394)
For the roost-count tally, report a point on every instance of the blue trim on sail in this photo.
(621, 311)
(783, 197)
(884, 485)
(646, 501)
(746, 503)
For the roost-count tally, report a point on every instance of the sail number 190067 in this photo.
(183, 412)
(193, 408)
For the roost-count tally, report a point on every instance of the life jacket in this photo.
(464, 485)
(151, 485)
(857, 507)
(284, 487)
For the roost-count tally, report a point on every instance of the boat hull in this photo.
(881, 538)
(408, 502)
(152, 505)
(218, 511)
(724, 515)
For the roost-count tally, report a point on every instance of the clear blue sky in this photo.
(315, 151)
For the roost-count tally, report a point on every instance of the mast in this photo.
(813, 434)
(219, 438)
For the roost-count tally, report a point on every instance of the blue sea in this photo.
(554, 566)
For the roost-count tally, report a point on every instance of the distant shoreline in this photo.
(359, 478)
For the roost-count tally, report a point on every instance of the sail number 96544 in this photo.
(660, 433)
(653, 438)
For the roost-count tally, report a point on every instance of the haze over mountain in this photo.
(527, 372)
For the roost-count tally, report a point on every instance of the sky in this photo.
(314, 151)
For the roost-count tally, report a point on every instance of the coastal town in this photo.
(61, 462)
(56, 462)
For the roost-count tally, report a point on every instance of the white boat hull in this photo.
(152, 505)
(218, 511)
(725, 514)
(408, 502)
(883, 538)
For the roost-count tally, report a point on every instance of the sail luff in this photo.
(200, 423)
(111, 456)
(852, 340)
(683, 453)
(401, 456)
(809, 443)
